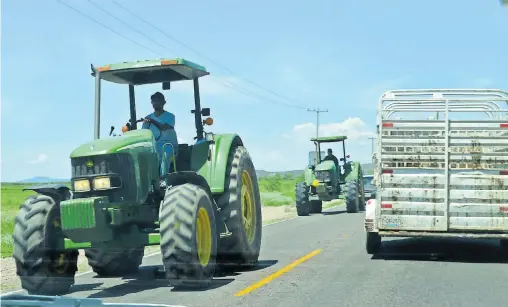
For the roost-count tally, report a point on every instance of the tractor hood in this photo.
(142, 138)
(325, 166)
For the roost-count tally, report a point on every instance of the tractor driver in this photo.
(333, 158)
(162, 125)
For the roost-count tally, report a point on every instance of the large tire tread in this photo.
(373, 243)
(351, 196)
(235, 250)
(35, 234)
(178, 217)
(112, 262)
(316, 206)
(303, 205)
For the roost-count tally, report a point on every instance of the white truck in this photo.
(441, 166)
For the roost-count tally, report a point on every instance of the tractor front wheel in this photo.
(316, 206)
(303, 206)
(188, 236)
(42, 269)
(241, 211)
(352, 196)
(113, 262)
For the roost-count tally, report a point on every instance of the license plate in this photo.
(391, 221)
(367, 194)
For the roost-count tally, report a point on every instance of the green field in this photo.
(275, 191)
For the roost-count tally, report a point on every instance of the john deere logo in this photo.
(89, 163)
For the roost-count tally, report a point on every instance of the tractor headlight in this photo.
(323, 176)
(81, 185)
(102, 183)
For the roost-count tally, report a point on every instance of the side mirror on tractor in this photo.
(205, 111)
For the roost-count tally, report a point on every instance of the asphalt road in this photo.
(338, 272)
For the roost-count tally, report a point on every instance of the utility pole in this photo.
(372, 144)
(317, 117)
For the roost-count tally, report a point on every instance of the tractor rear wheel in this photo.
(113, 262)
(352, 196)
(316, 206)
(188, 236)
(42, 269)
(303, 206)
(241, 211)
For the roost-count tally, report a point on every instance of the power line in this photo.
(103, 25)
(202, 55)
(230, 85)
(317, 118)
(128, 25)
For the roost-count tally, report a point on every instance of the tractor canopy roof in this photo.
(329, 139)
(150, 71)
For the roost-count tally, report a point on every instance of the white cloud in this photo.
(291, 151)
(353, 128)
(40, 159)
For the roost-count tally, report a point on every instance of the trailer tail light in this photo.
(386, 206)
(503, 172)
(387, 171)
(503, 125)
(387, 125)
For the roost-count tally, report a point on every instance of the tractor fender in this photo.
(220, 155)
(309, 176)
(60, 191)
(355, 172)
(179, 178)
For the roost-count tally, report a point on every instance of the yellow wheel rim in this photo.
(248, 207)
(203, 237)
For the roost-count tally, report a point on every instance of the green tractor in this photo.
(201, 204)
(324, 182)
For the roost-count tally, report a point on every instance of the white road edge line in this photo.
(157, 253)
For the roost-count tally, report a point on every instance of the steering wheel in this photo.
(128, 125)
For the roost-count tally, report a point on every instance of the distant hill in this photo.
(42, 180)
(367, 169)
(262, 173)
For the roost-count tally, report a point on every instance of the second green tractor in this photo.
(324, 181)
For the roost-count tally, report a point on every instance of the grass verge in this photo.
(275, 191)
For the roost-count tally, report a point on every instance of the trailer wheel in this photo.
(373, 242)
(504, 246)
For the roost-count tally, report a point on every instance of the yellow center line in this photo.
(280, 272)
